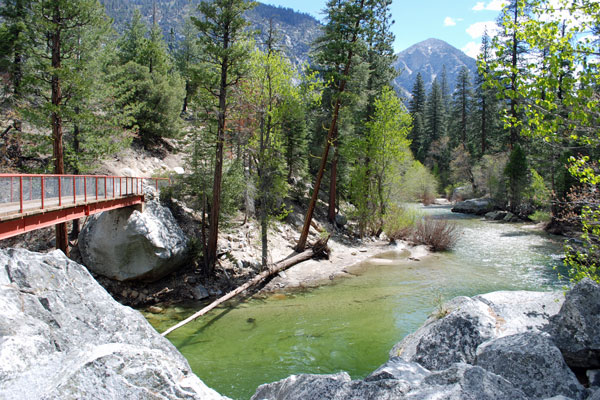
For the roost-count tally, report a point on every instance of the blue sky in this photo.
(458, 22)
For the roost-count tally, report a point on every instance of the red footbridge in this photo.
(29, 201)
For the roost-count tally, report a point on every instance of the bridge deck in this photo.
(29, 202)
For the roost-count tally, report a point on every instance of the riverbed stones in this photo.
(576, 328)
(63, 337)
(126, 244)
(532, 363)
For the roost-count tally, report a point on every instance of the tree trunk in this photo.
(62, 240)
(280, 266)
(333, 180)
(483, 123)
(187, 96)
(213, 233)
(76, 131)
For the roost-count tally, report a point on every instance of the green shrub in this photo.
(400, 222)
(418, 184)
(540, 216)
(537, 194)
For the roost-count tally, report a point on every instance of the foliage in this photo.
(438, 234)
(146, 84)
(540, 216)
(561, 101)
(417, 183)
(400, 222)
(152, 99)
(373, 184)
(537, 194)
(489, 177)
(516, 170)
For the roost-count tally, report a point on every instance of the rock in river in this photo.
(474, 206)
(126, 244)
(63, 337)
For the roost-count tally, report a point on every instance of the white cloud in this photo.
(496, 5)
(472, 49)
(480, 6)
(477, 29)
(493, 5)
(449, 21)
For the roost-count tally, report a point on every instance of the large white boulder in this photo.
(127, 244)
(63, 337)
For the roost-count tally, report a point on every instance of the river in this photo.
(352, 324)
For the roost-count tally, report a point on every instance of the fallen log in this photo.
(317, 250)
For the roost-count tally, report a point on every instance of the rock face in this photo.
(460, 381)
(474, 206)
(576, 328)
(63, 337)
(492, 346)
(523, 359)
(128, 244)
(472, 321)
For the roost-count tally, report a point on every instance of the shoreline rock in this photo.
(63, 336)
(500, 345)
(127, 244)
(474, 206)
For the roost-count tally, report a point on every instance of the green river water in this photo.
(352, 324)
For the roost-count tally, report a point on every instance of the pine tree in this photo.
(417, 112)
(222, 35)
(54, 48)
(337, 48)
(187, 54)
(133, 41)
(146, 83)
(508, 69)
(461, 110)
(16, 16)
(434, 119)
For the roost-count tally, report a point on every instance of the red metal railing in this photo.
(24, 192)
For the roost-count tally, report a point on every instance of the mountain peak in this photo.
(429, 58)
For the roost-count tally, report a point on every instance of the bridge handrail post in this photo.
(105, 189)
(96, 187)
(21, 193)
(59, 192)
(74, 191)
(85, 189)
(113, 187)
(11, 190)
(30, 188)
(42, 189)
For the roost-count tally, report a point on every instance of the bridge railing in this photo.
(21, 192)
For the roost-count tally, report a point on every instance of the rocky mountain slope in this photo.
(297, 30)
(429, 58)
